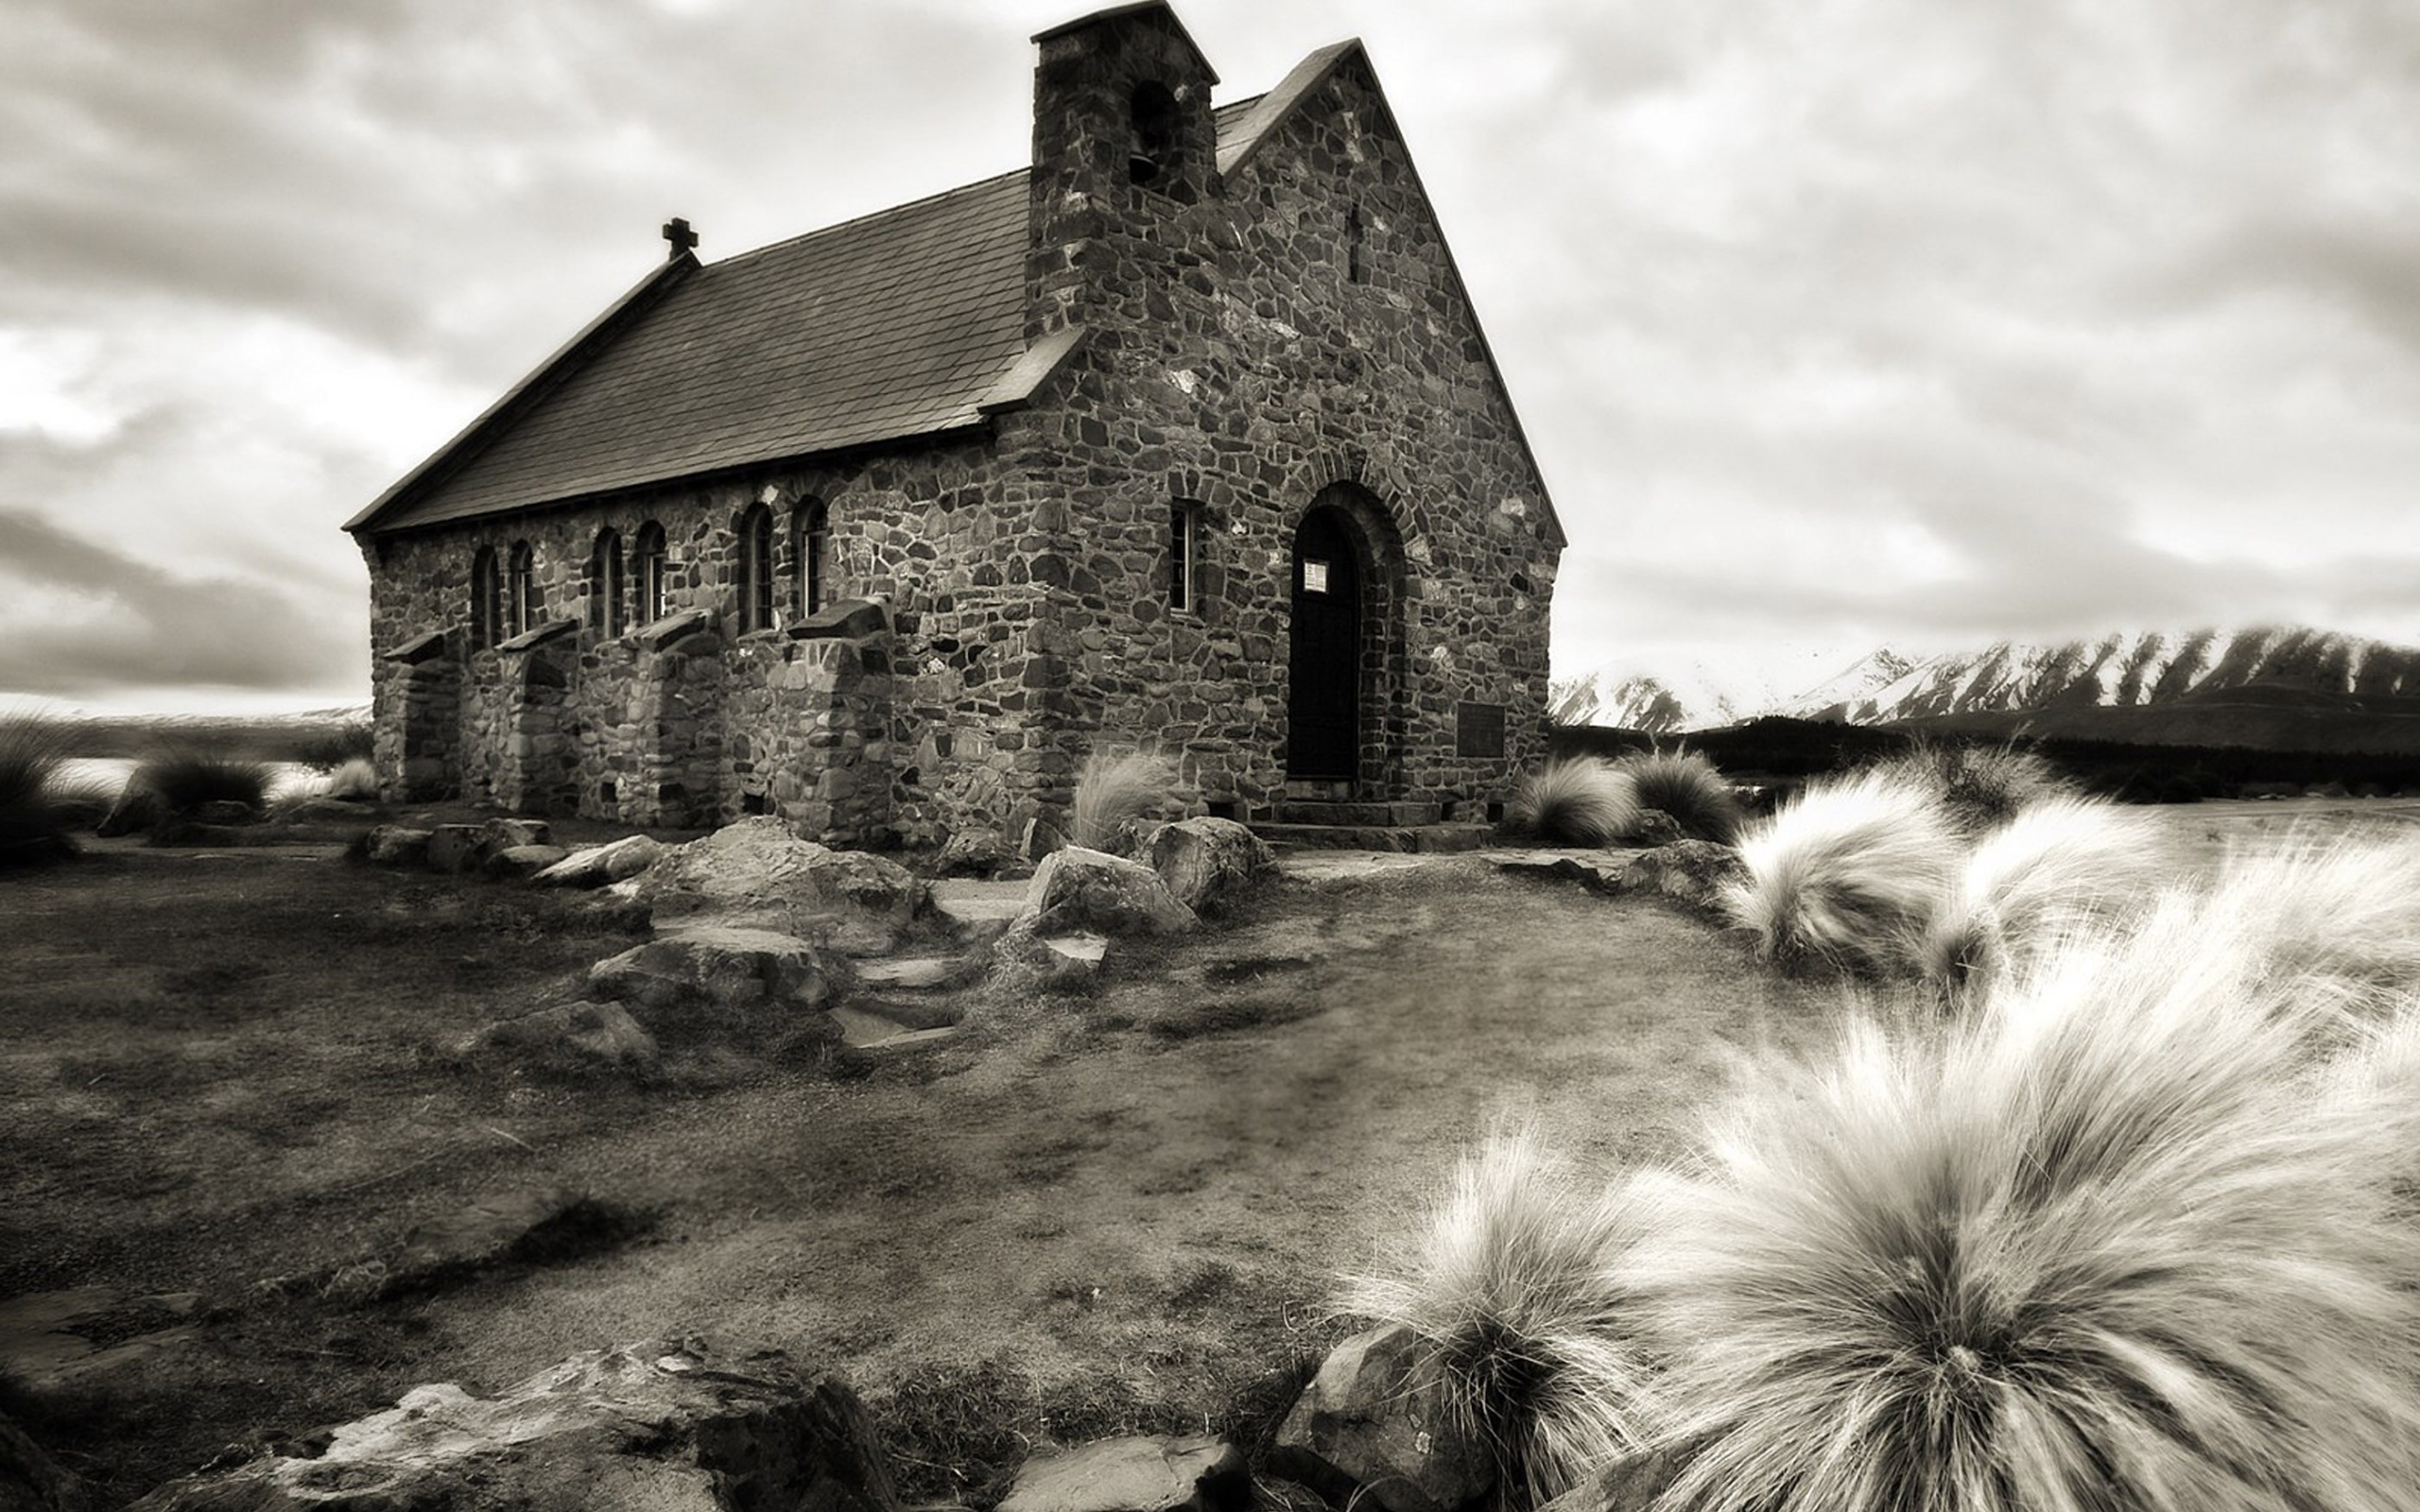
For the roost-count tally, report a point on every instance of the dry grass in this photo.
(1849, 874)
(2060, 864)
(33, 827)
(1689, 788)
(2106, 1245)
(1516, 1282)
(1981, 787)
(1579, 801)
(1114, 791)
(186, 778)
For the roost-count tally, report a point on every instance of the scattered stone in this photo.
(1080, 889)
(137, 809)
(456, 847)
(756, 872)
(978, 913)
(1654, 827)
(1375, 1423)
(497, 1228)
(1136, 1475)
(601, 864)
(521, 862)
(673, 1425)
(1209, 864)
(397, 845)
(503, 835)
(886, 1038)
(1606, 871)
(1693, 871)
(726, 969)
(1633, 1484)
(1024, 960)
(912, 973)
(571, 1035)
(975, 853)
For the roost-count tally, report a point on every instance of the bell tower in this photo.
(1123, 146)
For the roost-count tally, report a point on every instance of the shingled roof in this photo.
(906, 324)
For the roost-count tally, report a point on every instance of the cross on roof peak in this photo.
(677, 232)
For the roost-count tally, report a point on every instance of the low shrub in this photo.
(2109, 1243)
(1848, 874)
(2055, 867)
(1688, 787)
(1981, 787)
(33, 815)
(184, 780)
(326, 751)
(1514, 1282)
(1575, 801)
(1112, 791)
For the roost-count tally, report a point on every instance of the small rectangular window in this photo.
(1184, 556)
(1314, 576)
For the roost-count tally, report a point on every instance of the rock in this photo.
(503, 835)
(2327, 790)
(724, 969)
(676, 1426)
(520, 862)
(756, 872)
(1654, 827)
(1598, 870)
(1631, 1484)
(31, 1481)
(223, 810)
(1136, 1475)
(571, 1036)
(397, 845)
(601, 864)
(1080, 889)
(1375, 1423)
(137, 809)
(974, 853)
(1209, 864)
(1023, 960)
(456, 847)
(1693, 871)
(495, 1228)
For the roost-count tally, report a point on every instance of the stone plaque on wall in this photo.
(1478, 730)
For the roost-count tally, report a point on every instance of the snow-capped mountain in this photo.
(2119, 671)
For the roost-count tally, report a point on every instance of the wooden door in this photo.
(1323, 665)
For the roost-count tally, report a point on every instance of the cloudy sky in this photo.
(1834, 324)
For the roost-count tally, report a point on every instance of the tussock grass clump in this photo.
(328, 750)
(2109, 1244)
(1580, 801)
(353, 780)
(1849, 874)
(1112, 791)
(2342, 915)
(2057, 866)
(1516, 1282)
(1981, 787)
(184, 780)
(1689, 788)
(33, 818)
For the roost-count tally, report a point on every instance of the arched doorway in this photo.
(1324, 654)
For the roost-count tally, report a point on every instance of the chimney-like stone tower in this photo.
(1123, 145)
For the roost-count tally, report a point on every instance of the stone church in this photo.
(1183, 438)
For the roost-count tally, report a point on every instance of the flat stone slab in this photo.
(912, 973)
(1599, 870)
(1334, 865)
(1136, 1475)
(876, 1035)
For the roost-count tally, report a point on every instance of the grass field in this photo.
(1121, 1210)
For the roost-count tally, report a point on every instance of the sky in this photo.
(1834, 325)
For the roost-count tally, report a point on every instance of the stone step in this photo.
(879, 1035)
(1423, 839)
(1394, 815)
(979, 912)
(917, 973)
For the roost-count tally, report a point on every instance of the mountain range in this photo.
(2280, 687)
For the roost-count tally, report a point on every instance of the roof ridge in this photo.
(884, 214)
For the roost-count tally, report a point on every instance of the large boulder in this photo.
(723, 971)
(1693, 871)
(660, 1427)
(1376, 1424)
(519, 863)
(457, 848)
(1136, 1475)
(1209, 864)
(756, 872)
(397, 845)
(599, 865)
(1078, 889)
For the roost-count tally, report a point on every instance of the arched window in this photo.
(608, 604)
(812, 528)
(1152, 111)
(651, 573)
(521, 608)
(1184, 555)
(487, 599)
(756, 569)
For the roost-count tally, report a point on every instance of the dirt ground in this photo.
(1114, 1211)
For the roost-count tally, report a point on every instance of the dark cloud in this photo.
(128, 624)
